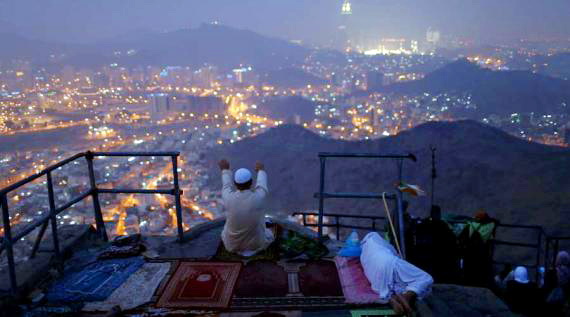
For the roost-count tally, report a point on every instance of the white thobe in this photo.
(245, 230)
(389, 274)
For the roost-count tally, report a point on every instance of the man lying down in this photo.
(395, 280)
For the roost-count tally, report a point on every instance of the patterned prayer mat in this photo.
(201, 285)
(262, 279)
(319, 278)
(355, 286)
(136, 291)
(95, 282)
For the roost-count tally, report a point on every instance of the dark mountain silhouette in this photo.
(292, 78)
(557, 65)
(16, 46)
(479, 167)
(208, 44)
(494, 92)
(286, 108)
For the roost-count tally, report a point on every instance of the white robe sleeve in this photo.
(227, 185)
(261, 185)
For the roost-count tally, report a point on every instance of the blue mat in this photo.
(95, 282)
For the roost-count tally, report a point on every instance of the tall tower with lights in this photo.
(346, 8)
(343, 34)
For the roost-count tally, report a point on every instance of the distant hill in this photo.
(479, 167)
(556, 65)
(16, 46)
(208, 44)
(494, 92)
(292, 78)
(286, 108)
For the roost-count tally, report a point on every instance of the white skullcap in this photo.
(242, 176)
(521, 275)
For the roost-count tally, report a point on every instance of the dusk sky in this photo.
(310, 20)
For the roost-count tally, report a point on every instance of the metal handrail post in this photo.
(8, 242)
(179, 219)
(95, 197)
(399, 202)
(538, 249)
(547, 253)
(337, 228)
(38, 240)
(53, 219)
(321, 198)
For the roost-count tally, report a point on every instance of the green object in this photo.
(373, 312)
(484, 229)
(295, 244)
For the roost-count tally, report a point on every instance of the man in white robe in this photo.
(395, 280)
(244, 232)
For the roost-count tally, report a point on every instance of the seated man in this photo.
(244, 231)
(395, 280)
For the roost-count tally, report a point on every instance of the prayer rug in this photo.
(201, 284)
(136, 291)
(262, 279)
(95, 282)
(373, 312)
(355, 286)
(319, 278)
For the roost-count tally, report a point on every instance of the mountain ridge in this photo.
(512, 179)
(494, 92)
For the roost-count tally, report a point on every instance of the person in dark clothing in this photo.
(434, 248)
(558, 300)
(476, 250)
(522, 295)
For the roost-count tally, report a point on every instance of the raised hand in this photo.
(259, 166)
(224, 164)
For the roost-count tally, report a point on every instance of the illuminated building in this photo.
(160, 105)
(243, 74)
(342, 37)
(346, 8)
(433, 37)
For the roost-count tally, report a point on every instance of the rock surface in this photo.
(454, 300)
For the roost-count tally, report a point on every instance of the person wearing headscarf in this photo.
(521, 294)
(244, 232)
(563, 268)
(559, 299)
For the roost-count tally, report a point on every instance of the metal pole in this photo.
(95, 196)
(399, 202)
(53, 219)
(179, 220)
(39, 239)
(321, 198)
(337, 227)
(8, 242)
(538, 249)
(433, 173)
(401, 230)
(547, 253)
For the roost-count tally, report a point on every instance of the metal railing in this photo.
(94, 191)
(553, 242)
(543, 245)
(397, 197)
(337, 223)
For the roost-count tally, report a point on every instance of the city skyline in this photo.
(312, 22)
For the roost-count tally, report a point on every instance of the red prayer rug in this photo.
(201, 285)
(355, 285)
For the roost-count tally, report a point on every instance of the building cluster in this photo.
(191, 110)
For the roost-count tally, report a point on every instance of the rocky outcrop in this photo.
(455, 300)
